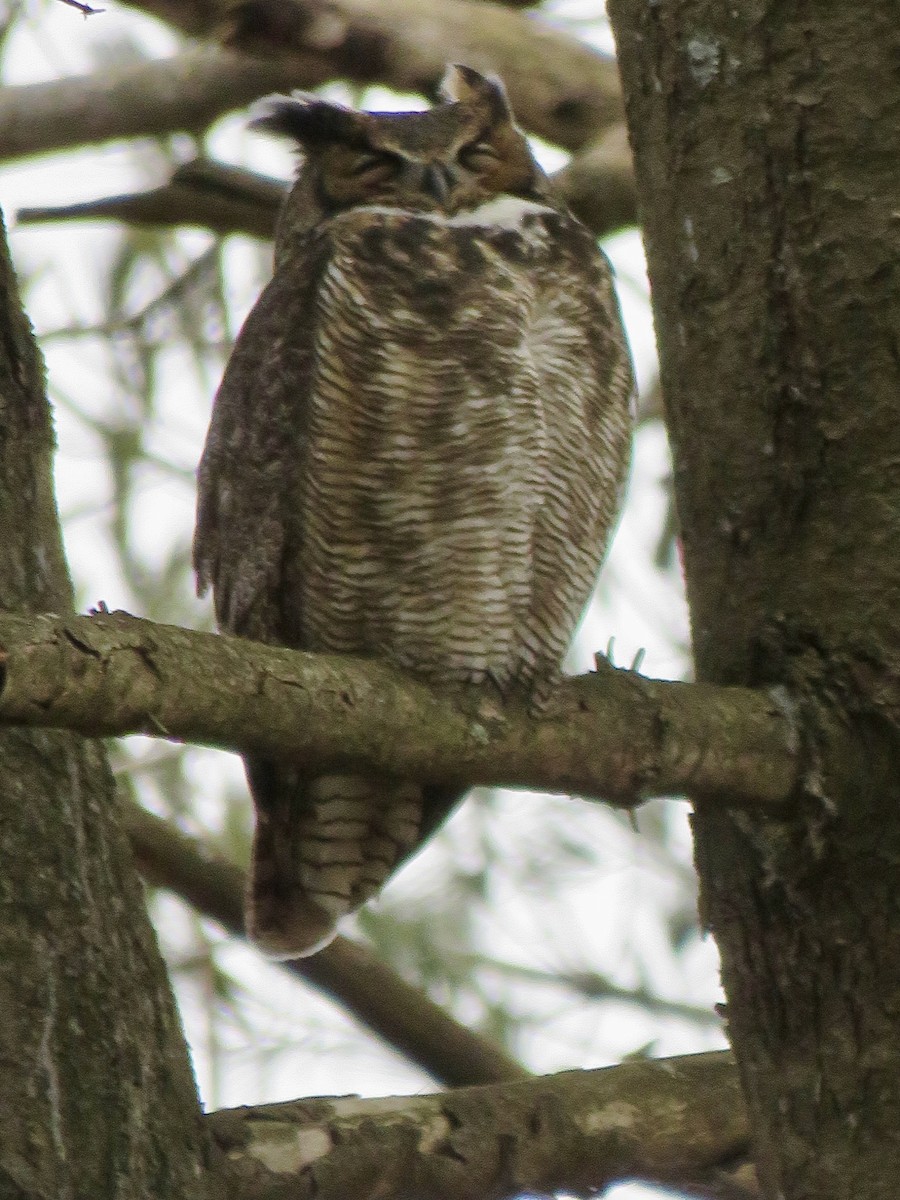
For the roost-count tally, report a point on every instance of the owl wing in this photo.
(585, 375)
(321, 846)
(249, 534)
(249, 530)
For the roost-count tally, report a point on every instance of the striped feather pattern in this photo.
(418, 452)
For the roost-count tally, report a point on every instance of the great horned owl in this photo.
(417, 452)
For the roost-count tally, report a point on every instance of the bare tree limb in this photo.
(592, 985)
(613, 734)
(199, 17)
(364, 985)
(203, 193)
(597, 185)
(186, 92)
(560, 88)
(452, 1054)
(672, 1121)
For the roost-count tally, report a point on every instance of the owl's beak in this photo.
(437, 180)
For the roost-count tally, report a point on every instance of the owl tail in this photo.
(322, 847)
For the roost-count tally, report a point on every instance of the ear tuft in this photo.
(465, 85)
(308, 120)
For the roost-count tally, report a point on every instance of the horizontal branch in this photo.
(676, 1121)
(184, 93)
(594, 986)
(598, 183)
(198, 17)
(561, 88)
(203, 193)
(612, 734)
(598, 186)
(357, 979)
(418, 1028)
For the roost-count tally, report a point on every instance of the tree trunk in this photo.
(96, 1094)
(767, 144)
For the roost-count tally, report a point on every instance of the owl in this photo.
(416, 453)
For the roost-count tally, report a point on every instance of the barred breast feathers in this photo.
(417, 452)
(463, 412)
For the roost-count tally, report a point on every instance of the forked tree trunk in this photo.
(767, 144)
(97, 1100)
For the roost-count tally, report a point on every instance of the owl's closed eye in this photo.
(447, 159)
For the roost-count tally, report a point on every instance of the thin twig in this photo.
(84, 9)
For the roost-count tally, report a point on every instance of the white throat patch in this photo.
(500, 212)
(503, 211)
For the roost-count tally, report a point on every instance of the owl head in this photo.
(463, 152)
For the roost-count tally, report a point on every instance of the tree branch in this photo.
(404, 1017)
(84, 9)
(186, 92)
(598, 183)
(592, 985)
(202, 193)
(612, 734)
(674, 1121)
(598, 186)
(560, 88)
(198, 17)
(362, 984)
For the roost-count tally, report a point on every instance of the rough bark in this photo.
(96, 1094)
(767, 138)
(612, 734)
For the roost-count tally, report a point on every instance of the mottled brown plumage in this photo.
(417, 452)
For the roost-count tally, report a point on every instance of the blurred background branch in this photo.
(560, 89)
(598, 186)
(367, 987)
